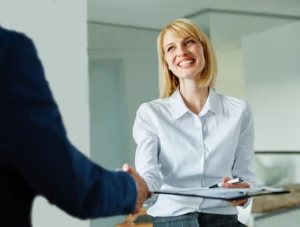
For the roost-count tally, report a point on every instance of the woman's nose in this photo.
(181, 51)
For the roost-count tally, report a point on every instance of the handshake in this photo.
(143, 192)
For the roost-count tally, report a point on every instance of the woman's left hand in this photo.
(239, 202)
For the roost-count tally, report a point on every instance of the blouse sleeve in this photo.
(147, 151)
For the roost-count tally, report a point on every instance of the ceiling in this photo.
(156, 14)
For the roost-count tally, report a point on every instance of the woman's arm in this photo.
(147, 151)
(244, 157)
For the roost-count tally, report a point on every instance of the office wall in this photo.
(136, 50)
(272, 74)
(59, 32)
(202, 20)
(226, 31)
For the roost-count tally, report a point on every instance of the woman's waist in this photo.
(193, 181)
(173, 205)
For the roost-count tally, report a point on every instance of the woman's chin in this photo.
(187, 76)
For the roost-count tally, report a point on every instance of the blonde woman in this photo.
(192, 137)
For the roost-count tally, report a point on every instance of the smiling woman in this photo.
(179, 42)
(192, 137)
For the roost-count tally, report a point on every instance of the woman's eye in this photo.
(170, 48)
(190, 42)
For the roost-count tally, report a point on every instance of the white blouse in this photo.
(179, 149)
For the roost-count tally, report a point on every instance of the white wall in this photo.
(272, 73)
(202, 20)
(136, 49)
(230, 78)
(59, 32)
(226, 32)
(226, 27)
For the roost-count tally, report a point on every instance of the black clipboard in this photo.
(222, 193)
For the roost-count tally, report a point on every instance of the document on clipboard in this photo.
(222, 193)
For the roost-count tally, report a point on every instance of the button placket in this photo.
(200, 145)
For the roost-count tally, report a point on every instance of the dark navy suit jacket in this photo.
(36, 156)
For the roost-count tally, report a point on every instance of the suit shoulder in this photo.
(10, 36)
(12, 41)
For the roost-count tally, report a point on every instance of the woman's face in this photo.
(184, 56)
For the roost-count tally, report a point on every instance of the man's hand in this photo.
(239, 202)
(142, 188)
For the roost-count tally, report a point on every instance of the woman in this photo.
(192, 137)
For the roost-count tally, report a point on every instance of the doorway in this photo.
(107, 117)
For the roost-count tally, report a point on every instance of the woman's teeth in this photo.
(187, 62)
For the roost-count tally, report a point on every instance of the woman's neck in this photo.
(194, 97)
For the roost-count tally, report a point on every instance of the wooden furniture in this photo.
(277, 210)
(131, 218)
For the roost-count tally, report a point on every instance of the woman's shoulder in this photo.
(154, 105)
(232, 102)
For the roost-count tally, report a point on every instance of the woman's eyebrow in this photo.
(169, 45)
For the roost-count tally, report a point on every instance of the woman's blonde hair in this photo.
(168, 82)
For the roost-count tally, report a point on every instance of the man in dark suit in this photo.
(36, 157)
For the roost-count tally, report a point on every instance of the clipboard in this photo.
(222, 193)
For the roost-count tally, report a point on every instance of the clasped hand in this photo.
(142, 188)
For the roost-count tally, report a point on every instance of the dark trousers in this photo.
(198, 220)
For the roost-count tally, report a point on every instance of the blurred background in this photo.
(101, 61)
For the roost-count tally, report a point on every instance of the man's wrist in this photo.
(149, 194)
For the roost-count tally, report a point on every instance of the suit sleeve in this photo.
(36, 144)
